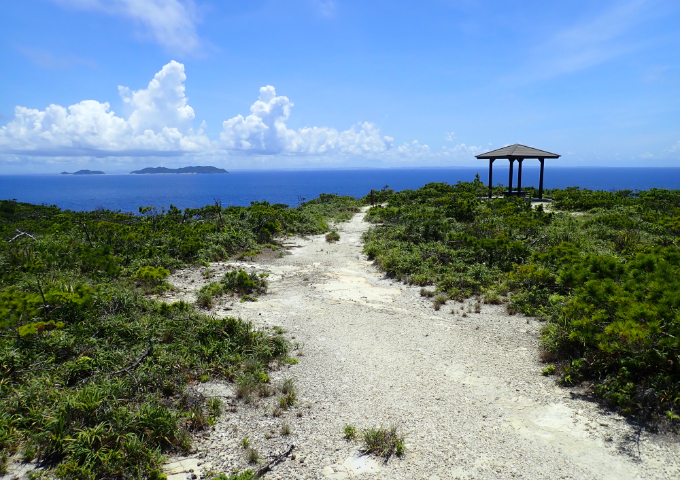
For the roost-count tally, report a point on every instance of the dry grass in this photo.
(252, 455)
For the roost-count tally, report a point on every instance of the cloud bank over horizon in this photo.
(264, 131)
(160, 124)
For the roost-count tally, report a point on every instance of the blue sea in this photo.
(129, 192)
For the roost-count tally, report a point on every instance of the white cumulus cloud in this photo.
(163, 103)
(172, 23)
(264, 132)
(160, 122)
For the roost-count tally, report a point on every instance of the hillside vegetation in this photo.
(94, 371)
(602, 269)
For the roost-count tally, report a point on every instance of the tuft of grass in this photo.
(265, 390)
(288, 387)
(245, 442)
(350, 432)
(246, 386)
(286, 401)
(383, 441)
(439, 301)
(285, 429)
(205, 297)
(29, 453)
(196, 419)
(277, 412)
(478, 308)
(332, 236)
(245, 475)
(4, 459)
(424, 292)
(491, 297)
(252, 455)
(289, 394)
(215, 406)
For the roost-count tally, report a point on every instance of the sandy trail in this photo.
(466, 389)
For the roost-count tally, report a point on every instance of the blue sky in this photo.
(115, 84)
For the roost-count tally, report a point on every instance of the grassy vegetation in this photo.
(332, 237)
(239, 282)
(95, 376)
(602, 268)
(350, 432)
(381, 441)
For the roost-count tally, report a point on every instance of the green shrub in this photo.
(242, 283)
(151, 276)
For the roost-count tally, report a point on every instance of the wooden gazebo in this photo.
(520, 153)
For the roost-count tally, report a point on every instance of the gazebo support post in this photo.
(540, 182)
(490, 176)
(512, 160)
(519, 176)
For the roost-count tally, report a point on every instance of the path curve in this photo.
(466, 389)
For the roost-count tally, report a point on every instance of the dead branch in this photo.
(22, 234)
(87, 233)
(134, 365)
(129, 369)
(42, 294)
(218, 204)
(537, 240)
(278, 459)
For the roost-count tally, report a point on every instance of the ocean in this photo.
(129, 192)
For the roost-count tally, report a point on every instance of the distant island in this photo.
(149, 170)
(84, 172)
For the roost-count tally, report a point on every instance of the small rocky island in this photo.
(84, 172)
(208, 169)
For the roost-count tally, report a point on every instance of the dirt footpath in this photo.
(465, 387)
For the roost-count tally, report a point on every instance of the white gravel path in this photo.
(467, 391)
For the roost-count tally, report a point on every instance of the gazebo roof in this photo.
(517, 151)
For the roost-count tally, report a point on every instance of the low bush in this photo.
(242, 283)
(332, 237)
